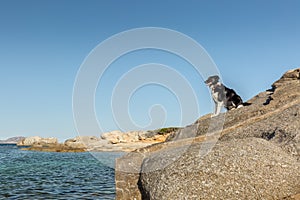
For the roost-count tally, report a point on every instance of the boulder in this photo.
(113, 137)
(51, 144)
(155, 136)
(116, 137)
(248, 153)
(249, 168)
(288, 78)
(81, 142)
(35, 140)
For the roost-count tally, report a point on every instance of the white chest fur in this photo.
(214, 93)
(215, 96)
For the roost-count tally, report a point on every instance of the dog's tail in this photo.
(246, 104)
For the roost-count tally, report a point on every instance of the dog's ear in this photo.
(207, 80)
(212, 79)
(216, 77)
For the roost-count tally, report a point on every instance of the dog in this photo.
(223, 96)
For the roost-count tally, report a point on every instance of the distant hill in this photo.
(12, 140)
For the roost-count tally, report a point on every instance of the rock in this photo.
(133, 136)
(54, 148)
(113, 137)
(50, 140)
(111, 141)
(249, 168)
(78, 144)
(131, 140)
(289, 77)
(29, 141)
(81, 142)
(254, 155)
(37, 143)
(72, 143)
(116, 137)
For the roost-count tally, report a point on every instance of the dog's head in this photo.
(212, 80)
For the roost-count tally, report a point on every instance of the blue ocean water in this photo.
(47, 175)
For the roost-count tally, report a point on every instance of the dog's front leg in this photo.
(218, 106)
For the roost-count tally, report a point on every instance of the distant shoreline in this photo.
(12, 140)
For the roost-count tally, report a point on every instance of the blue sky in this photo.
(44, 43)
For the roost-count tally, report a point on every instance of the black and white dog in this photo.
(223, 96)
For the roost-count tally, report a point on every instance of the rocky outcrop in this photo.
(36, 140)
(82, 142)
(12, 140)
(111, 141)
(155, 136)
(53, 148)
(51, 144)
(290, 77)
(254, 155)
(250, 168)
(132, 140)
(116, 137)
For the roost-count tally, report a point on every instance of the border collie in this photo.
(223, 96)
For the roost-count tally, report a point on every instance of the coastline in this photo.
(115, 141)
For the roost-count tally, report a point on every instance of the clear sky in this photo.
(44, 43)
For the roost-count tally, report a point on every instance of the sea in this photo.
(50, 175)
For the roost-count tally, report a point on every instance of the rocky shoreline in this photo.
(111, 141)
(256, 154)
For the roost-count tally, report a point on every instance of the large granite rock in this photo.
(116, 137)
(254, 155)
(131, 140)
(155, 136)
(54, 148)
(290, 77)
(37, 143)
(36, 140)
(82, 142)
(249, 168)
